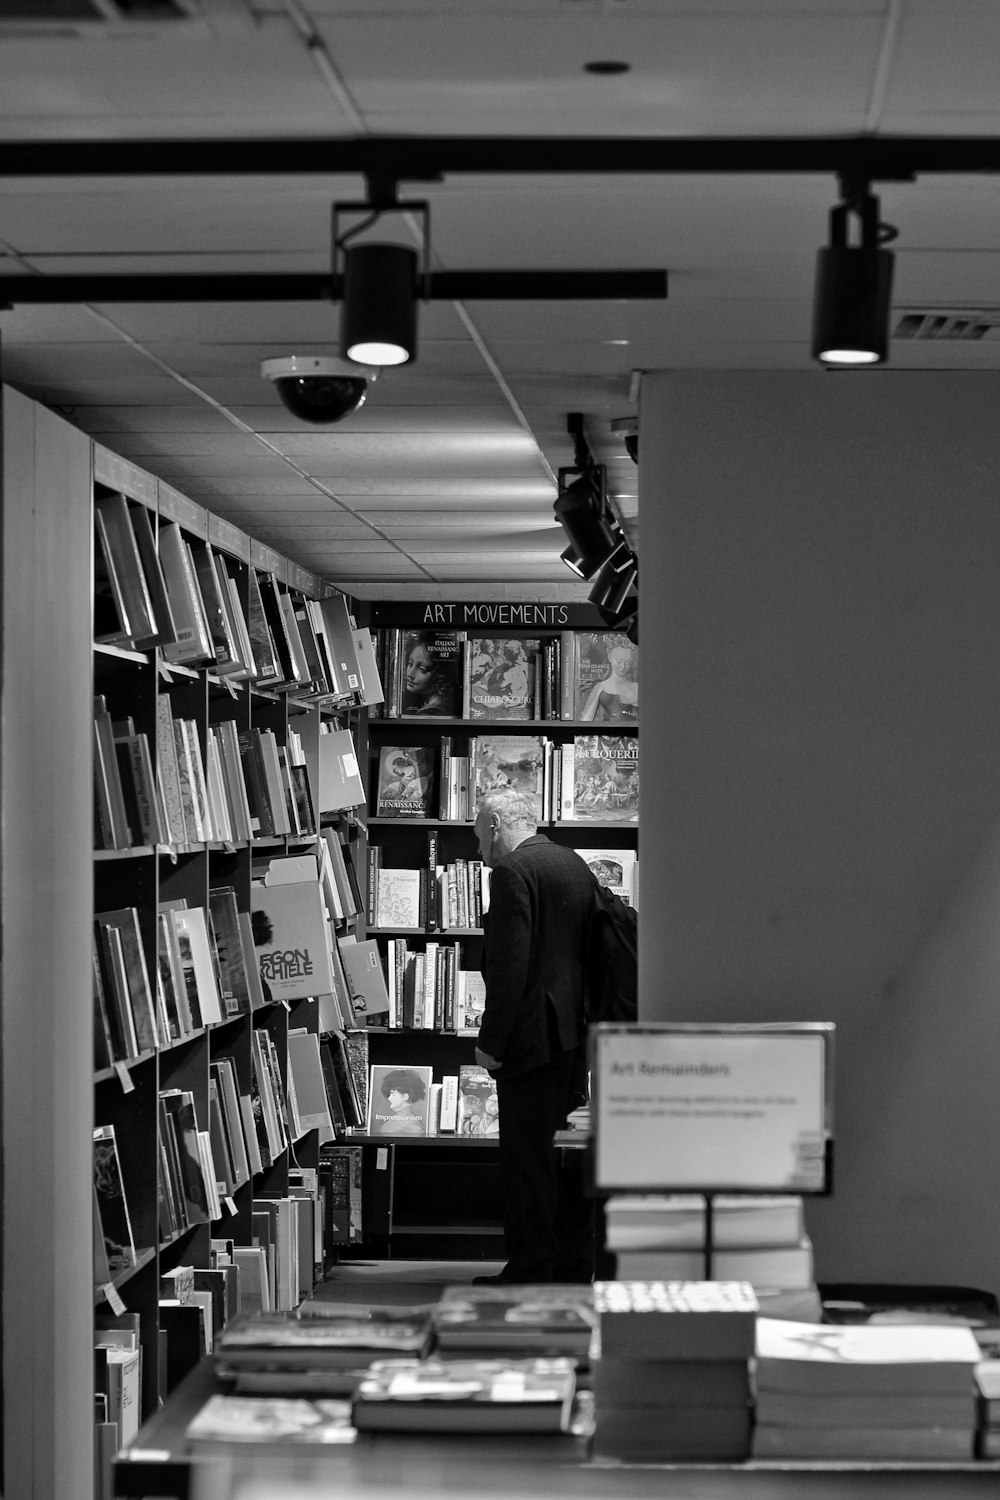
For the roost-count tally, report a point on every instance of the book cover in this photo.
(144, 629)
(474, 1395)
(193, 643)
(478, 1110)
(339, 633)
(501, 678)
(399, 1099)
(293, 952)
(268, 672)
(225, 919)
(676, 1319)
(405, 781)
(545, 1320)
(191, 925)
(934, 1359)
(470, 1001)
(503, 762)
(615, 869)
(113, 1212)
(607, 678)
(398, 899)
(334, 774)
(428, 679)
(260, 1419)
(605, 785)
(365, 977)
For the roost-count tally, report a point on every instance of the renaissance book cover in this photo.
(500, 678)
(505, 762)
(600, 779)
(405, 781)
(606, 677)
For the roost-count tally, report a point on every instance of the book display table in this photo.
(378, 1466)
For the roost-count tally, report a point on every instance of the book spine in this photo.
(567, 675)
(432, 916)
(374, 865)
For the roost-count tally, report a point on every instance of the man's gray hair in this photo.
(514, 809)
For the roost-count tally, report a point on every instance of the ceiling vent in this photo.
(954, 326)
(49, 18)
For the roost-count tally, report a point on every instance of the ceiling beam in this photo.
(454, 286)
(429, 158)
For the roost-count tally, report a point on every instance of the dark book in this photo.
(179, 1114)
(335, 1103)
(119, 537)
(681, 1434)
(261, 640)
(551, 1320)
(405, 782)
(428, 674)
(496, 1395)
(234, 988)
(618, 1380)
(224, 644)
(500, 678)
(113, 1212)
(137, 992)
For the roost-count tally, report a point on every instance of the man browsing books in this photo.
(532, 1037)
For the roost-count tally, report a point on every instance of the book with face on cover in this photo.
(500, 678)
(399, 1099)
(405, 781)
(607, 678)
(427, 674)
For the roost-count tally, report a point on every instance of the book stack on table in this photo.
(755, 1238)
(545, 1321)
(988, 1408)
(466, 1395)
(893, 1391)
(671, 1376)
(323, 1350)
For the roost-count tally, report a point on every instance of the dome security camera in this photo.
(627, 428)
(319, 388)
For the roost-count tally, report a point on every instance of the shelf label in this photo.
(382, 1159)
(231, 1205)
(112, 1298)
(124, 1078)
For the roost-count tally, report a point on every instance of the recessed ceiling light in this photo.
(607, 68)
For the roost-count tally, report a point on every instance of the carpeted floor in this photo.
(404, 1282)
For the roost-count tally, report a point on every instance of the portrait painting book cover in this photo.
(607, 677)
(399, 1099)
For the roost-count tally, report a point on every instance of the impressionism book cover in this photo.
(399, 1099)
(607, 678)
(405, 781)
(501, 678)
(605, 784)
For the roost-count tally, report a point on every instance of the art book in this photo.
(427, 673)
(873, 1358)
(405, 782)
(505, 762)
(478, 1110)
(399, 898)
(550, 1320)
(399, 1100)
(606, 678)
(475, 1395)
(615, 869)
(263, 1419)
(600, 779)
(500, 678)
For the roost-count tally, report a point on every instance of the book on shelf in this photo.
(334, 775)
(305, 1064)
(364, 975)
(292, 938)
(191, 777)
(342, 868)
(470, 1395)
(605, 677)
(138, 781)
(676, 1319)
(503, 762)
(238, 630)
(191, 1188)
(261, 640)
(224, 917)
(197, 962)
(303, 665)
(194, 643)
(400, 898)
(500, 678)
(423, 673)
(639, 1221)
(478, 1110)
(541, 1320)
(223, 1074)
(599, 779)
(111, 821)
(448, 1112)
(342, 1082)
(118, 1373)
(127, 978)
(399, 1099)
(116, 533)
(225, 647)
(270, 594)
(168, 772)
(112, 625)
(372, 690)
(340, 637)
(865, 1358)
(114, 1220)
(406, 782)
(270, 1419)
(470, 1001)
(616, 869)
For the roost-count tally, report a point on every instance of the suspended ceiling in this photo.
(442, 483)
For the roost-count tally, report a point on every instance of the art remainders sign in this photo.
(712, 1109)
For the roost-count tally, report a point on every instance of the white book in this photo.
(449, 1103)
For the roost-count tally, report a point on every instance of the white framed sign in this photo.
(689, 1108)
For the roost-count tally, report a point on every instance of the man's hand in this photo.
(486, 1061)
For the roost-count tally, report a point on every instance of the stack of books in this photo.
(671, 1376)
(988, 1408)
(756, 1238)
(323, 1351)
(551, 1320)
(875, 1391)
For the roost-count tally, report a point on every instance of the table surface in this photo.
(385, 1466)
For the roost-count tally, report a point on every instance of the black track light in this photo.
(853, 287)
(581, 510)
(571, 558)
(379, 318)
(616, 580)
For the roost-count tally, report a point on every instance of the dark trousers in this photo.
(548, 1218)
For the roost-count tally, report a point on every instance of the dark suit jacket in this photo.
(541, 897)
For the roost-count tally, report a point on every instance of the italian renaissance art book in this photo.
(399, 1099)
(500, 678)
(405, 781)
(425, 673)
(607, 678)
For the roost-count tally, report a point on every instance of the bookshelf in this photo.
(428, 833)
